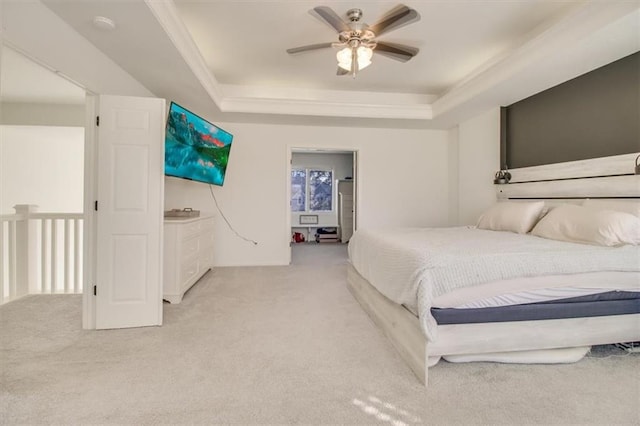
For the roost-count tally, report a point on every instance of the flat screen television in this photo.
(195, 149)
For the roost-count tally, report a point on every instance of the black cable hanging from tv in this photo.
(255, 243)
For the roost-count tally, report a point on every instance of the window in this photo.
(311, 190)
(320, 190)
(298, 190)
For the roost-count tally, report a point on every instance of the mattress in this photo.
(538, 289)
(594, 305)
(415, 267)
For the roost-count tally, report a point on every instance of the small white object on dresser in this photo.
(188, 254)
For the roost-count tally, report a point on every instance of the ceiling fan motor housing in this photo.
(354, 15)
(358, 33)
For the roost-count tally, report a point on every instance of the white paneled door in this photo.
(130, 194)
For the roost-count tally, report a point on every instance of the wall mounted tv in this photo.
(195, 149)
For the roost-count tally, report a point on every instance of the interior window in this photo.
(314, 185)
(298, 190)
(320, 190)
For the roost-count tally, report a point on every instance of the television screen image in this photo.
(195, 149)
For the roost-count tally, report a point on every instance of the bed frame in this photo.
(611, 177)
(402, 328)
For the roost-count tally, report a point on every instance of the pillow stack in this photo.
(589, 225)
(608, 223)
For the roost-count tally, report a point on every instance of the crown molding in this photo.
(549, 40)
(326, 109)
(323, 95)
(340, 103)
(471, 94)
(167, 15)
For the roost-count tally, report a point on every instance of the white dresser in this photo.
(188, 254)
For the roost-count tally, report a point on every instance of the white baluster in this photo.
(26, 250)
(67, 257)
(12, 260)
(43, 255)
(54, 256)
(77, 257)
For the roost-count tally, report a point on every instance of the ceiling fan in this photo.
(357, 40)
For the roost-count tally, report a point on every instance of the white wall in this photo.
(478, 161)
(34, 114)
(42, 165)
(342, 166)
(402, 181)
(453, 176)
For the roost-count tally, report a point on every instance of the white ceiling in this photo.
(227, 58)
(244, 43)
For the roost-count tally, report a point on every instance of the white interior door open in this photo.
(130, 197)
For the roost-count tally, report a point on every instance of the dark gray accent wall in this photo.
(594, 115)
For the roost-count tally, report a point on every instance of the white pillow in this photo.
(511, 216)
(584, 225)
(625, 206)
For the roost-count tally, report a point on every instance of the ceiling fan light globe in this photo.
(344, 58)
(344, 55)
(364, 53)
(364, 57)
(362, 64)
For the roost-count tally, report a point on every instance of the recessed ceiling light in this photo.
(104, 23)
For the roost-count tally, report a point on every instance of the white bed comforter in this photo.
(412, 266)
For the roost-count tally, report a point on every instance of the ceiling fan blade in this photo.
(342, 71)
(396, 18)
(327, 15)
(306, 48)
(399, 52)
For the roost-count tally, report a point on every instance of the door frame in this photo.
(320, 150)
(89, 230)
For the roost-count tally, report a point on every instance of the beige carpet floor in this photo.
(278, 345)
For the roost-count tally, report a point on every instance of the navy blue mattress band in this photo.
(601, 304)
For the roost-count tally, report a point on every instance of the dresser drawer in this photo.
(206, 241)
(207, 225)
(189, 270)
(190, 229)
(190, 248)
(206, 259)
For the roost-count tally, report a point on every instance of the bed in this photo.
(467, 293)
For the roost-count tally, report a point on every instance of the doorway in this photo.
(321, 201)
(41, 179)
(54, 250)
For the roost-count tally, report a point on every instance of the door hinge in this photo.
(95, 205)
(95, 290)
(97, 120)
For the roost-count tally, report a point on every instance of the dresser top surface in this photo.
(203, 215)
